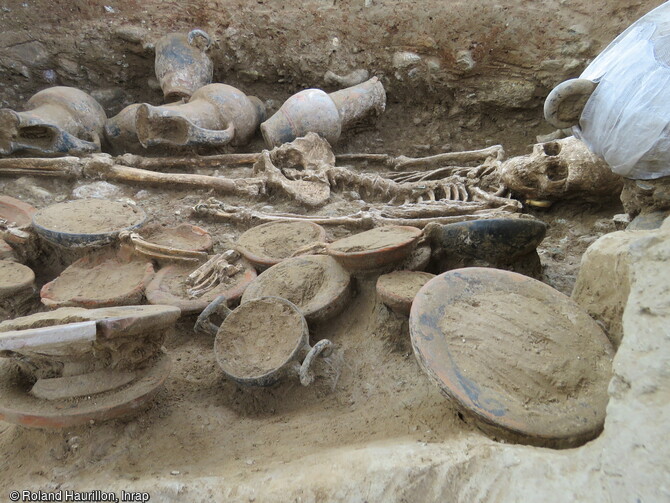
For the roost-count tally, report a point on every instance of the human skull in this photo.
(561, 169)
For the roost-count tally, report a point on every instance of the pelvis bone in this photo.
(56, 120)
(561, 169)
(298, 169)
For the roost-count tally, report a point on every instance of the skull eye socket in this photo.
(552, 148)
(556, 171)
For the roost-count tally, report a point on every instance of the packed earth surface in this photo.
(372, 427)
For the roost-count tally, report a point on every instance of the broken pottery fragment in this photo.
(316, 284)
(73, 366)
(57, 120)
(559, 170)
(313, 110)
(522, 359)
(182, 65)
(262, 341)
(216, 115)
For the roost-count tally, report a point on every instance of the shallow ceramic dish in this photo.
(169, 287)
(268, 244)
(183, 242)
(86, 222)
(316, 284)
(520, 357)
(99, 279)
(375, 248)
(18, 406)
(18, 214)
(14, 277)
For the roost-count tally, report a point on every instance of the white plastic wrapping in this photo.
(627, 118)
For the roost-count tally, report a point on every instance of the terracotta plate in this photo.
(525, 360)
(16, 211)
(86, 221)
(375, 248)
(184, 237)
(268, 244)
(316, 284)
(99, 280)
(169, 287)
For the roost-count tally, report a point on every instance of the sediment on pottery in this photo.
(182, 65)
(313, 110)
(554, 391)
(316, 284)
(216, 115)
(86, 222)
(268, 244)
(397, 289)
(56, 120)
(105, 278)
(375, 249)
(262, 341)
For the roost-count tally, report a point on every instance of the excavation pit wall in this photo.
(371, 428)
